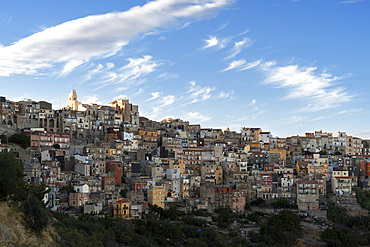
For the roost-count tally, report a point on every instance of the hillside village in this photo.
(99, 159)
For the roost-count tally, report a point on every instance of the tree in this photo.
(336, 213)
(56, 146)
(286, 220)
(123, 193)
(11, 176)
(281, 202)
(338, 237)
(21, 139)
(258, 202)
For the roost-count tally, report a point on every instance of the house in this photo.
(156, 196)
(121, 208)
(307, 194)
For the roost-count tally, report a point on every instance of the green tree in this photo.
(68, 189)
(21, 139)
(123, 193)
(286, 220)
(34, 213)
(258, 202)
(11, 176)
(56, 146)
(338, 237)
(281, 202)
(336, 213)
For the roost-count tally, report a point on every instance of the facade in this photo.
(121, 208)
(307, 195)
(156, 196)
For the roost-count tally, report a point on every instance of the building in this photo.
(307, 195)
(121, 208)
(156, 196)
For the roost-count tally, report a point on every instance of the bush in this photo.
(253, 216)
(338, 237)
(281, 202)
(258, 202)
(21, 139)
(34, 214)
(336, 213)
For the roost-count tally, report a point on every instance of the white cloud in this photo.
(196, 117)
(235, 64)
(216, 42)
(130, 73)
(75, 42)
(222, 27)
(198, 93)
(238, 46)
(267, 65)
(155, 95)
(303, 83)
(91, 99)
(164, 102)
(223, 95)
(250, 65)
(122, 96)
(167, 76)
(252, 103)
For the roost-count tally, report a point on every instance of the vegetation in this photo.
(56, 146)
(281, 230)
(336, 213)
(87, 230)
(225, 218)
(11, 176)
(281, 202)
(255, 216)
(21, 139)
(338, 237)
(363, 199)
(258, 202)
(123, 193)
(27, 198)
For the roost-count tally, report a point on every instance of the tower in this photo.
(72, 101)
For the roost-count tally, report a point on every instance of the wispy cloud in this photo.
(155, 95)
(76, 42)
(97, 70)
(196, 117)
(122, 96)
(213, 41)
(252, 103)
(242, 64)
(250, 65)
(164, 102)
(303, 83)
(222, 27)
(130, 73)
(198, 93)
(235, 64)
(91, 99)
(238, 46)
(267, 65)
(223, 95)
(167, 76)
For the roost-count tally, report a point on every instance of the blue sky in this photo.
(287, 66)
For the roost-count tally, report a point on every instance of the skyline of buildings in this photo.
(285, 66)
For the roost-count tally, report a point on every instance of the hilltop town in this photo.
(99, 159)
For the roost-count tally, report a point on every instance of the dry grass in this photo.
(21, 236)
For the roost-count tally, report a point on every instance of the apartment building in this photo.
(307, 195)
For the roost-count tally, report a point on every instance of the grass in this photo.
(14, 233)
